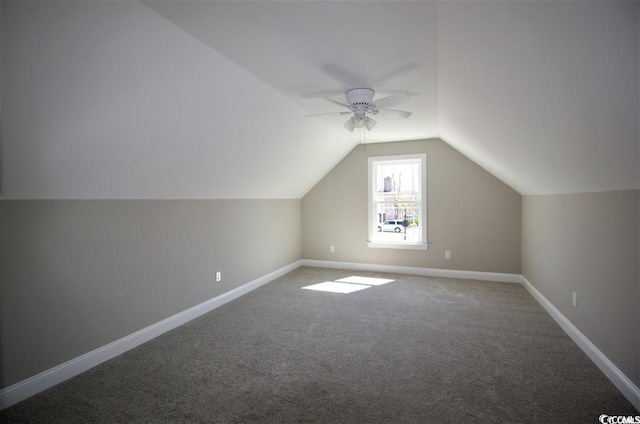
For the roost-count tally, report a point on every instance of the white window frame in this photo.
(374, 161)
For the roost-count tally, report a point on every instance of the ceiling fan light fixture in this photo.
(369, 123)
(360, 122)
(350, 124)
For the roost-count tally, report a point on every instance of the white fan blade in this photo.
(338, 102)
(391, 113)
(342, 75)
(393, 100)
(395, 73)
(322, 94)
(328, 113)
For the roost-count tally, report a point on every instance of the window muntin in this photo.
(397, 201)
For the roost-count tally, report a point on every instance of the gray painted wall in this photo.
(588, 243)
(470, 213)
(82, 273)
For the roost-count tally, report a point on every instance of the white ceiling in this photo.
(110, 100)
(204, 99)
(309, 49)
(544, 95)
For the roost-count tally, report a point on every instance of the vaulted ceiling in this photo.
(206, 99)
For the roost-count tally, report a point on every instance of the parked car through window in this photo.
(391, 225)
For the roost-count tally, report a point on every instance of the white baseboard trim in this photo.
(617, 377)
(49, 378)
(427, 272)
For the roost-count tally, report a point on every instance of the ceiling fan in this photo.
(360, 103)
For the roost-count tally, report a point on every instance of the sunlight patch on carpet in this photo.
(335, 287)
(348, 284)
(367, 281)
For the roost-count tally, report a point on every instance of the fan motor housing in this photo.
(361, 100)
(360, 96)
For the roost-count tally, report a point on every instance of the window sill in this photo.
(388, 245)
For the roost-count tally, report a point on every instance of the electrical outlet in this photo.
(332, 249)
(218, 277)
(447, 254)
(574, 300)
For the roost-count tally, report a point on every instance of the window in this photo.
(398, 201)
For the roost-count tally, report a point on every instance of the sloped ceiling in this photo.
(543, 94)
(309, 49)
(110, 100)
(204, 99)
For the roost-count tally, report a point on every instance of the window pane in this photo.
(396, 199)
